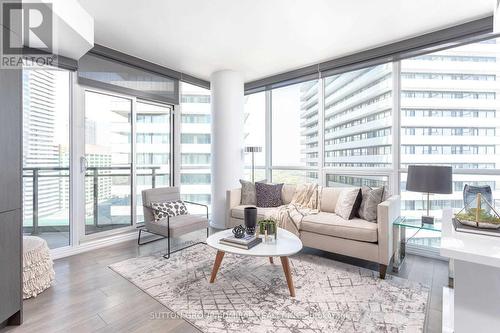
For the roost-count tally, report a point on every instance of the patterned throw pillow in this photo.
(268, 195)
(348, 203)
(169, 208)
(248, 195)
(369, 202)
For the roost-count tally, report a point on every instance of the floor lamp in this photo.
(253, 150)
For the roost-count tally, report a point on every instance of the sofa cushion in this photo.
(348, 203)
(287, 193)
(268, 195)
(262, 212)
(333, 225)
(328, 198)
(179, 225)
(369, 202)
(248, 196)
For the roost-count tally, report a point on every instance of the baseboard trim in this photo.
(92, 245)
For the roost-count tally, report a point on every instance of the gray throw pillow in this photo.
(348, 203)
(248, 196)
(268, 195)
(369, 202)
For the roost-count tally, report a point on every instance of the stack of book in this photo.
(246, 243)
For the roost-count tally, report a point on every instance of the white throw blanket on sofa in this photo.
(305, 202)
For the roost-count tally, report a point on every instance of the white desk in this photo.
(475, 299)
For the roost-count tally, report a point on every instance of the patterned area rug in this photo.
(251, 295)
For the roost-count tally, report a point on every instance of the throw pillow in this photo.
(369, 202)
(169, 208)
(248, 196)
(348, 203)
(268, 195)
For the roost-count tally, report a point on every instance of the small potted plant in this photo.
(268, 228)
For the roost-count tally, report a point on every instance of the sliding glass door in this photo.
(127, 149)
(108, 152)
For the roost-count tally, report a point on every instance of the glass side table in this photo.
(399, 232)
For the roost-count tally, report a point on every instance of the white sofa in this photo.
(329, 232)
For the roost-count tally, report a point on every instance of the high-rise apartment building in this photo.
(40, 149)
(195, 144)
(448, 114)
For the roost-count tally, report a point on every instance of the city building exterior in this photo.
(448, 115)
(43, 148)
(195, 144)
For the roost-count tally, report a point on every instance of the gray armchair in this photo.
(169, 226)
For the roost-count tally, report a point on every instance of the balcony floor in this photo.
(54, 239)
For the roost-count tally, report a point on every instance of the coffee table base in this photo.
(284, 262)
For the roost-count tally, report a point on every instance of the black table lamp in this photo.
(429, 179)
(253, 150)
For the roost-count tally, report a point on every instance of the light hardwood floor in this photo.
(89, 297)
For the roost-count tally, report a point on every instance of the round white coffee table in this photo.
(285, 245)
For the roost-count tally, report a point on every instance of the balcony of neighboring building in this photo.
(446, 158)
(364, 127)
(448, 103)
(348, 83)
(449, 122)
(304, 113)
(336, 103)
(310, 121)
(195, 108)
(426, 66)
(309, 90)
(449, 139)
(370, 142)
(377, 159)
(309, 103)
(449, 85)
(194, 148)
(332, 118)
(201, 128)
(309, 139)
(309, 130)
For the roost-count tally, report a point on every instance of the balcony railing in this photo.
(36, 174)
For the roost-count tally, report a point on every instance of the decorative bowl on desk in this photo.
(479, 213)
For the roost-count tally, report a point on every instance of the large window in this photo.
(255, 134)
(152, 149)
(46, 137)
(449, 116)
(195, 145)
(295, 129)
(358, 118)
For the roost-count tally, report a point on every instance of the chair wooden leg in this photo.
(382, 269)
(271, 260)
(215, 269)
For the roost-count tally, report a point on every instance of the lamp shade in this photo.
(429, 179)
(253, 149)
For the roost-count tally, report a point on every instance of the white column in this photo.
(227, 139)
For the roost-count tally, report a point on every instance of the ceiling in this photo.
(260, 38)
